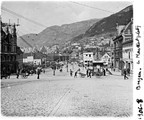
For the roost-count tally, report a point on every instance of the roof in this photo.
(19, 51)
(43, 49)
(127, 26)
(25, 55)
(38, 55)
(106, 53)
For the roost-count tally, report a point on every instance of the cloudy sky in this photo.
(48, 13)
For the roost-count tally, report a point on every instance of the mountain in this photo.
(56, 34)
(106, 27)
(109, 24)
(81, 32)
(30, 38)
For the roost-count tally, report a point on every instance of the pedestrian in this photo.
(75, 74)
(128, 71)
(18, 72)
(38, 73)
(104, 72)
(71, 72)
(43, 70)
(125, 74)
(60, 69)
(87, 72)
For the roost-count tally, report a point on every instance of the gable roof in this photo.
(43, 49)
(127, 26)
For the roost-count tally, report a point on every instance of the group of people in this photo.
(75, 73)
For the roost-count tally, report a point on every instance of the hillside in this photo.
(105, 28)
(109, 24)
(30, 38)
(56, 34)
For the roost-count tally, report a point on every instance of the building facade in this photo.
(123, 48)
(8, 51)
(127, 49)
(118, 63)
(88, 58)
(106, 58)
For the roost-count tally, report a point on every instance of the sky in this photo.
(48, 13)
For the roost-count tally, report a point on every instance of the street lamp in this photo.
(67, 62)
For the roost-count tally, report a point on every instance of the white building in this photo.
(88, 58)
(30, 59)
(37, 61)
(106, 58)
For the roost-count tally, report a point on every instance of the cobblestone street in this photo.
(63, 95)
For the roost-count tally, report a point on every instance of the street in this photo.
(63, 95)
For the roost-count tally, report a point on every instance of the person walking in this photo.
(71, 72)
(38, 73)
(18, 72)
(125, 74)
(104, 72)
(87, 72)
(75, 74)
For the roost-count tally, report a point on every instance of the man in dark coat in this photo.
(75, 74)
(18, 72)
(104, 72)
(125, 74)
(38, 73)
(71, 72)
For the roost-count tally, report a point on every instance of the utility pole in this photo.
(45, 60)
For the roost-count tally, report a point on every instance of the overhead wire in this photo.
(84, 5)
(32, 21)
(24, 40)
(39, 24)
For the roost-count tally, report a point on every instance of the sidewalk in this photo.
(116, 73)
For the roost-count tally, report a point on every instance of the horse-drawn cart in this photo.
(82, 75)
(97, 68)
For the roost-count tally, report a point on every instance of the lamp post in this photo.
(67, 62)
(45, 60)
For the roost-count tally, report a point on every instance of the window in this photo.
(5, 48)
(89, 55)
(128, 31)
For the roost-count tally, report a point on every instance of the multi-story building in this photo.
(88, 58)
(123, 47)
(106, 58)
(118, 63)
(127, 49)
(8, 51)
